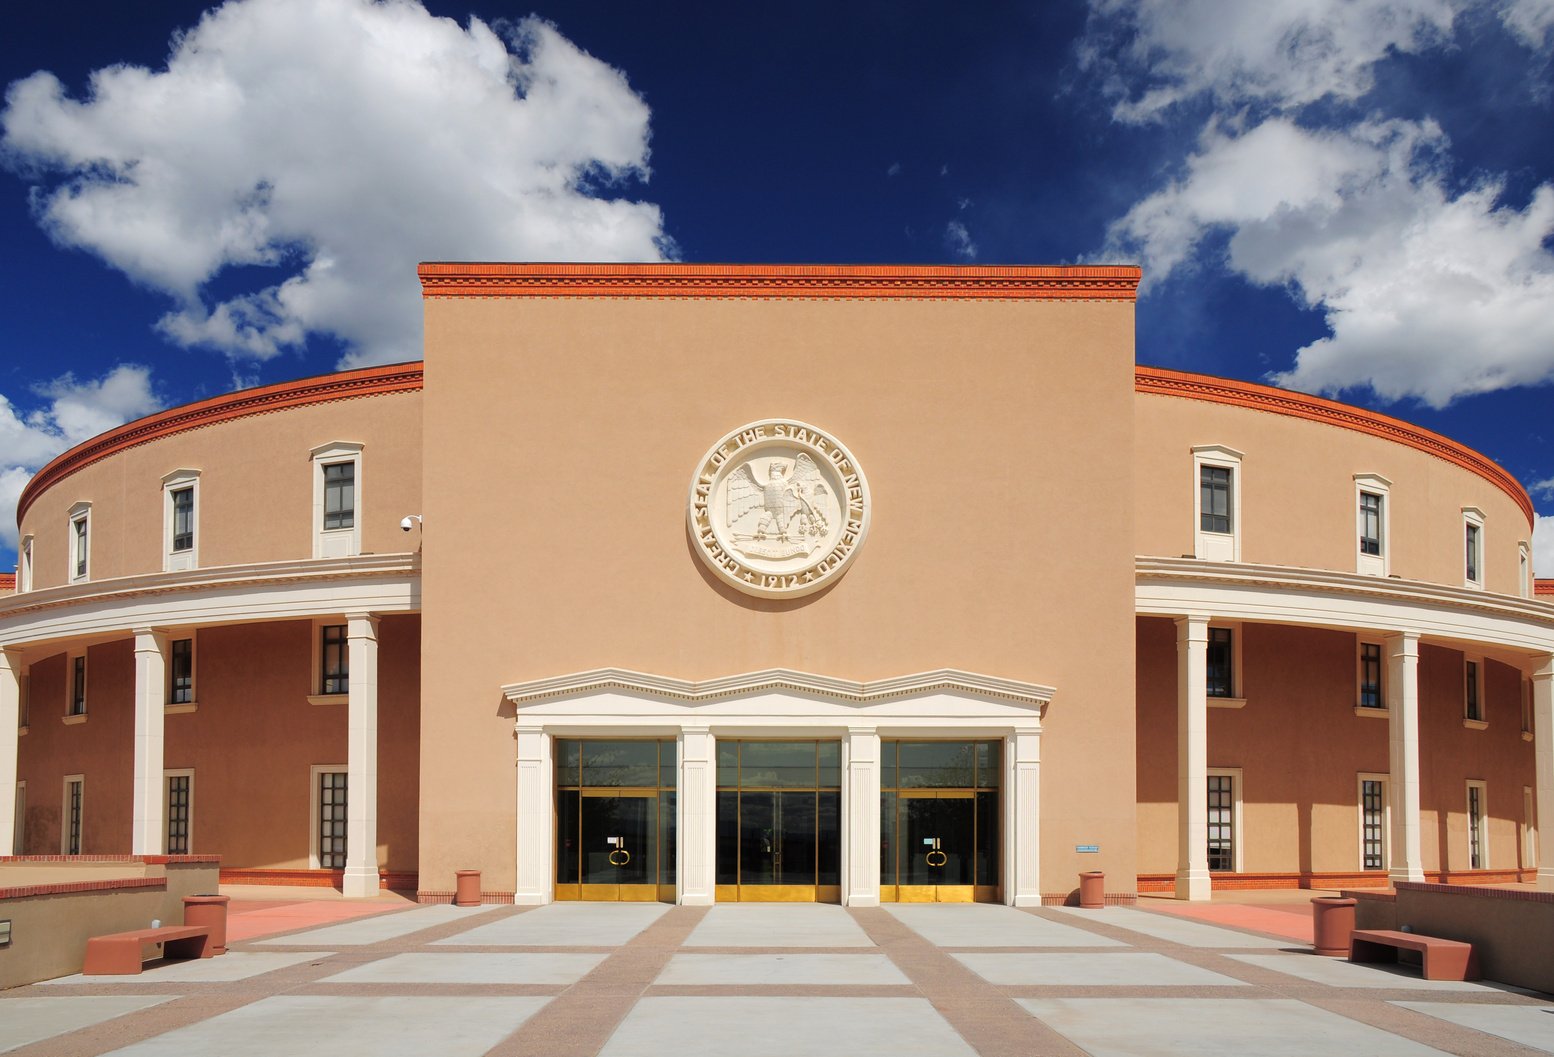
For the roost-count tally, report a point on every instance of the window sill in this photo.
(1373, 713)
(180, 709)
(1476, 724)
(328, 699)
(1227, 702)
(71, 721)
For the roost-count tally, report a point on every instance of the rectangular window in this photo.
(1478, 842)
(19, 828)
(1373, 824)
(24, 567)
(333, 660)
(77, 686)
(79, 547)
(1472, 537)
(1222, 831)
(1370, 523)
(1370, 676)
(331, 820)
(180, 788)
(70, 832)
(1527, 706)
(1214, 486)
(1221, 663)
(1472, 705)
(180, 682)
(183, 519)
(339, 495)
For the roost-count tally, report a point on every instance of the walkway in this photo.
(772, 980)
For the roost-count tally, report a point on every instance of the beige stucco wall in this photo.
(1298, 494)
(562, 435)
(255, 491)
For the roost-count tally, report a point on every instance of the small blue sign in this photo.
(1087, 848)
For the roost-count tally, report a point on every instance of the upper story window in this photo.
(337, 499)
(1473, 546)
(24, 565)
(1372, 553)
(80, 541)
(180, 663)
(1217, 503)
(1370, 523)
(180, 520)
(1524, 569)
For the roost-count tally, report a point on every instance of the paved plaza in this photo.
(770, 980)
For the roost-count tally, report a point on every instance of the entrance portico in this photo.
(775, 705)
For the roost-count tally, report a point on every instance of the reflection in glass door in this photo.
(779, 821)
(939, 821)
(615, 820)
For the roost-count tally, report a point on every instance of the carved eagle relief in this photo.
(791, 504)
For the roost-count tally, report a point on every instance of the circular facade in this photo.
(778, 508)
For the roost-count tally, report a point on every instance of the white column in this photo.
(1403, 755)
(1543, 746)
(698, 828)
(1192, 757)
(361, 795)
(148, 833)
(10, 719)
(1023, 748)
(536, 841)
(861, 818)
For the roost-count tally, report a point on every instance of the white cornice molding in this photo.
(779, 679)
(1282, 594)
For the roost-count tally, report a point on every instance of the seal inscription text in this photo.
(778, 508)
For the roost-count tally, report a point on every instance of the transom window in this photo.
(333, 660)
(1214, 486)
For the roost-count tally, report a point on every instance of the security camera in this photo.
(406, 523)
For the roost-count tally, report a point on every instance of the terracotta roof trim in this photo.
(1543, 587)
(1163, 382)
(342, 385)
(842, 282)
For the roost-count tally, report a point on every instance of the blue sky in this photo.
(1354, 197)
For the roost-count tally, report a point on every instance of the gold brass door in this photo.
(779, 821)
(615, 820)
(619, 845)
(939, 822)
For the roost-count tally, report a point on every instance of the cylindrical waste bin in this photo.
(1092, 890)
(466, 891)
(1332, 920)
(209, 911)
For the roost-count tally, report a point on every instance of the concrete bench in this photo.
(121, 953)
(1443, 959)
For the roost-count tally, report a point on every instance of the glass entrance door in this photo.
(779, 821)
(615, 820)
(939, 821)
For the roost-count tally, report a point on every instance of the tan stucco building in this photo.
(706, 582)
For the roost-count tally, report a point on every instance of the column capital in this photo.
(361, 625)
(1192, 626)
(11, 659)
(1542, 667)
(863, 730)
(696, 728)
(1402, 643)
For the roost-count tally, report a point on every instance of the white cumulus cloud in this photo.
(73, 411)
(1532, 20)
(333, 144)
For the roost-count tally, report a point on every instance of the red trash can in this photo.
(209, 911)
(1332, 920)
(1092, 890)
(466, 890)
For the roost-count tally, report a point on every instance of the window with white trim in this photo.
(1220, 668)
(180, 671)
(1372, 692)
(180, 811)
(1224, 818)
(329, 816)
(24, 565)
(1526, 709)
(19, 827)
(1524, 569)
(1217, 502)
(1373, 554)
(337, 499)
(70, 815)
(80, 542)
(1478, 830)
(1473, 693)
(24, 686)
(1374, 821)
(1473, 547)
(180, 520)
(75, 686)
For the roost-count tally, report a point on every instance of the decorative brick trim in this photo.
(397, 882)
(494, 899)
(783, 282)
(1374, 895)
(7, 581)
(1519, 895)
(1111, 899)
(110, 858)
(1159, 381)
(65, 888)
(343, 385)
(1543, 587)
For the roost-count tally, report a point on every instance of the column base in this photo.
(1405, 873)
(359, 883)
(1028, 900)
(530, 899)
(863, 900)
(696, 899)
(1194, 886)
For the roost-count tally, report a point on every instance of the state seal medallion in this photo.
(778, 508)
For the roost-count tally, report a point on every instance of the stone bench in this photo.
(121, 953)
(1443, 959)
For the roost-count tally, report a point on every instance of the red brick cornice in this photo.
(1162, 382)
(344, 385)
(1543, 587)
(7, 581)
(783, 281)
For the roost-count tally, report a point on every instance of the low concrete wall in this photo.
(51, 921)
